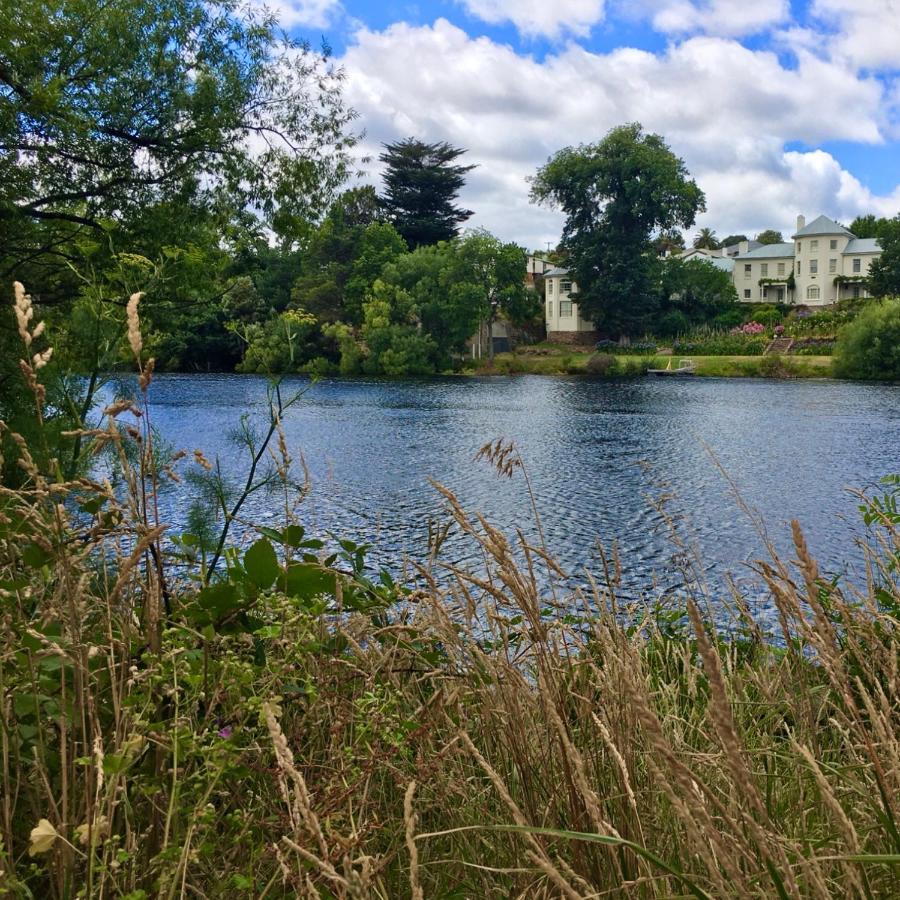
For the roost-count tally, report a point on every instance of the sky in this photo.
(777, 107)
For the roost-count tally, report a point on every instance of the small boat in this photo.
(685, 367)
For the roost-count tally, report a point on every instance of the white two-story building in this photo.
(561, 316)
(823, 263)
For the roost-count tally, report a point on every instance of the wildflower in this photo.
(226, 732)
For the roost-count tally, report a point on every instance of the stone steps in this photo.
(779, 345)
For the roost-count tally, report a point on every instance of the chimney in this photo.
(801, 222)
(744, 247)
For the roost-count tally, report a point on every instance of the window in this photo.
(747, 269)
(857, 265)
(832, 244)
(781, 268)
(832, 266)
(565, 309)
(549, 286)
(798, 246)
(746, 293)
(764, 270)
(812, 292)
(798, 266)
(813, 267)
(813, 246)
(550, 310)
(855, 291)
(565, 287)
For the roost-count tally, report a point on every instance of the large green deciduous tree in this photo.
(884, 274)
(421, 184)
(770, 236)
(109, 108)
(616, 195)
(692, 292)
(497, 271)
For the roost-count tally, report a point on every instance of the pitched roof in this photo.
(863, 245)
(769, 251)
(822, 225)
(555, 272)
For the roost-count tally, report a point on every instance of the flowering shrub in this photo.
(749, 328)
(779, 330)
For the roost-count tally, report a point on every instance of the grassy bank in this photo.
(184, 715)
(558, 360)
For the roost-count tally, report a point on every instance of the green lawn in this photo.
(549, 359)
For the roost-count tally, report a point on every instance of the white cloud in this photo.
(867, 32)
(725, 18)
(306, 13)
(726, 109)
(539, 17)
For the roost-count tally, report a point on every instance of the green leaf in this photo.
(293, 535)
(307, 580)
(219, 599)
(35, 556)
(261, 564)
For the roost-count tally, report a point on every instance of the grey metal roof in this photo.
(725, 263)
(555, 272)
(862, 245)
(769, 251)
(822, 225)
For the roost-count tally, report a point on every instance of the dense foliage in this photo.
(884, 274)
(868, 348)
(616, 195)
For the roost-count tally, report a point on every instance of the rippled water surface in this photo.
(596, 453)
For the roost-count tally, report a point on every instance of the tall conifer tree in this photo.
(421, 184)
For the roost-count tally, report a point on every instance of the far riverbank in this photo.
(567, 361)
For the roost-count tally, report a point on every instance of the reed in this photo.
(286, 724)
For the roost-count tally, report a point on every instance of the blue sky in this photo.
(777, 107)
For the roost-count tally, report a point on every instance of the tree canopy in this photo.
(109, 109)
(733, 239)
(617, 194)
(868, 226)
(421, 184)
(884, 274)
(770, 236)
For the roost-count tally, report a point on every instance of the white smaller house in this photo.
(564, 322)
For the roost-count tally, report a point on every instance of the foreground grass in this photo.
(564, 361)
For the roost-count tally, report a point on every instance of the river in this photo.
(600, 455)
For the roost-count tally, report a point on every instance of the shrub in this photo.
(601, 365)
(767, 315)
(868, 348)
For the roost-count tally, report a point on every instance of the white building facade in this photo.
(823, 263)
(564, 322)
